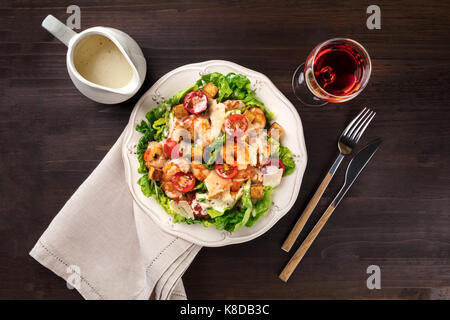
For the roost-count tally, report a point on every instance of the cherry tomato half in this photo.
(226, 171)
(171, 149)
(183, 182)
(195, 102)
(236, 125)
(273, 162)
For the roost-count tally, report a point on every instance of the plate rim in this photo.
(227, 239)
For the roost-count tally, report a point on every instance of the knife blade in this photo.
(355, 167)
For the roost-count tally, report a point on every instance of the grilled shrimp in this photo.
(197, 126)
(242, 175)
(154, 156)
(248, 173)
(171, 192)
(200, 171)
(169, 170)
(236, 185)
(197, 153)
(233, 104)
(256, 118)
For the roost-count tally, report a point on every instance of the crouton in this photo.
(154, 173)
(256, 192)
(180, 111)
(210, 90)
(275, 131)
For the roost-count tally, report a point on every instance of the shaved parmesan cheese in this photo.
(186, 208)
(182, 208)
(273, 176)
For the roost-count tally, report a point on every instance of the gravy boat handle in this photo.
(58, 29)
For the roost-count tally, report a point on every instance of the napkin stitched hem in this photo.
(159, 255)
(179, 294)
(39, 255)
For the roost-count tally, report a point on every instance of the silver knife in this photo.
(354, 168)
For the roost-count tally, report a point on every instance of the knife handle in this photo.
(293, 235)
(298, 227)
(298, 255)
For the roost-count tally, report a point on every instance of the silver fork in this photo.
(346, 143)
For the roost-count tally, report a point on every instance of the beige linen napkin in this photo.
(107, 247)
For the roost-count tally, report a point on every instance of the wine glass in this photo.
(335, 71)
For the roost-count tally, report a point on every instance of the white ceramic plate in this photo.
(284, 195)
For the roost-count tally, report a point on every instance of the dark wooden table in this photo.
(396, 216)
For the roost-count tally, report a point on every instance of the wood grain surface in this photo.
(396, 215)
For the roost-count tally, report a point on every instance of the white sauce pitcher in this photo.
(128, 48)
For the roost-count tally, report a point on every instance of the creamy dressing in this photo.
(225, 201)
(98, 60)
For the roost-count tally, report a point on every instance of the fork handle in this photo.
(298, 227)
(299, 254)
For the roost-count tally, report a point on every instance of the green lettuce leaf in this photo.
(247, 206)
(283, 153)
(214, 151)
(234, 87)
(143, 144)
(220, 82)
(261, 206)
(179, 96)
(213, 213)
(227, 221)
(286, 156)
(200, 187)
(235, 217)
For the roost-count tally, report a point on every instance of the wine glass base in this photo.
(301, 90)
